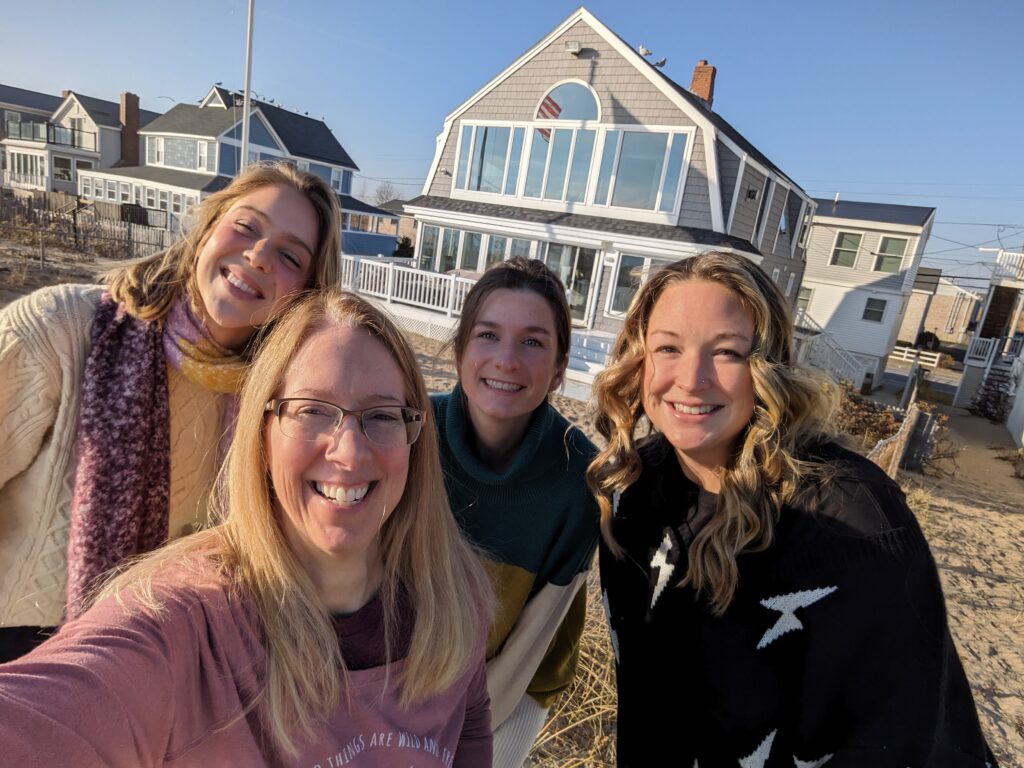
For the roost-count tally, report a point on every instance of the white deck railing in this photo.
(980, 352)
(1009, 265)
(398, 284)
(909, 354)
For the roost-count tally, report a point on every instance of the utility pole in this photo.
(246, 105)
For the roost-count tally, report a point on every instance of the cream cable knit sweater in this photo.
(44, 343)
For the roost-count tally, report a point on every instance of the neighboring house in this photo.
(951, 313)
(81, 134)
(406, 224)
(585, 155)
(193, 151)
(862, 259)
(18, 106)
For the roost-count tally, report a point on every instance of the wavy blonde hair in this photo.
(766, 470)
(423, 552)
(149, 286)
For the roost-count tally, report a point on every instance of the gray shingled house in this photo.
(584, 154)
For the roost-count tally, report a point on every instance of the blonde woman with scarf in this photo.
(114, 400)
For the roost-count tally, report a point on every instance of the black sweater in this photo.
(834, 651)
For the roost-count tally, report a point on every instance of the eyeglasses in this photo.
(311, 420)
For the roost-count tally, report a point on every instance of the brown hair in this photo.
(518, 274)
(791, 411)
(422, 549)
(149, 286)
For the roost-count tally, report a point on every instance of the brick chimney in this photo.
(129, 129)
(703, 85)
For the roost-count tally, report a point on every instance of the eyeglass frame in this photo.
(274, 406)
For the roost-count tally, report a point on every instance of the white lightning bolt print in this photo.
(759, 756)
(787, 604)
(664, 567)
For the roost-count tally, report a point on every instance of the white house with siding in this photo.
(585, 155)
(82, 133)
(862, 259)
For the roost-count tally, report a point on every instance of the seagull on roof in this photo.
(661, 62)
(645, 51)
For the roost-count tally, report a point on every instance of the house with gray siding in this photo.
(192, 151)
(585, 155)
(862, 259)
(80, 133)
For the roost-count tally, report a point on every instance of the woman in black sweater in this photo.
(772, 600)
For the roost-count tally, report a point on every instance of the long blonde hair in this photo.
(422, 549)
(767, 469)
(149, 286)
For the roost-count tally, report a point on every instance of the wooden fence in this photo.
(104, 229)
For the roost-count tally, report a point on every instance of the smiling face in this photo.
(257, 255)
(697, 387)
(509, 364)
(332, 495)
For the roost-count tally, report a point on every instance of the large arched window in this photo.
(568, 101)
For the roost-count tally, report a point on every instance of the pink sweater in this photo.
(120, 688)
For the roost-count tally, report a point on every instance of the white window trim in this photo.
(767, 198)
(802, 233)
(835, 241)
(645, 271)
(588, 205)
(775, 276)
(810, 297)
(885, 307)
(879, 255)
(597, 100)
(789, 285)
(783, 215)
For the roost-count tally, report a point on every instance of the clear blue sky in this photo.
(906, 101)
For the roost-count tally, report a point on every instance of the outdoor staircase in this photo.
(995, 398)
(589, 353)
(817, 347)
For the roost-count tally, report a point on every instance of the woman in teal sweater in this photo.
(514, 468)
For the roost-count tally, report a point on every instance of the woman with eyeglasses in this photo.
(116, 401)
(335, 617)
(514, 468)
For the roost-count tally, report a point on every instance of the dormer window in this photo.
(562, 153)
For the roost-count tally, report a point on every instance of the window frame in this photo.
(879, 310)
(613, 283)
(465, 135)
(70, 168)
(799, 297)
(880, 255)
(832, 262)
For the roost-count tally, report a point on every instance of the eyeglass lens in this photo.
(387, 424)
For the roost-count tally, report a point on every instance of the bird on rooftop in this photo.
(661, 62)
(645, 51)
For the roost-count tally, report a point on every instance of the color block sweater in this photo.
(122, 687)
(537, 525)
(44, 344)
(835, 650)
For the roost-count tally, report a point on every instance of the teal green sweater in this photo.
(537, 525)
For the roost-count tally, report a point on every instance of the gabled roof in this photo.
(395, 206)
(581, 221)
(306, 136)
(303, 136)
(19, 97)
(350, 204)
(886, 213)
(691, 105)
(195, 121)
(108, 113)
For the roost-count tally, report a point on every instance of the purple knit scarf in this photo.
(121, 499)
(123, 480)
